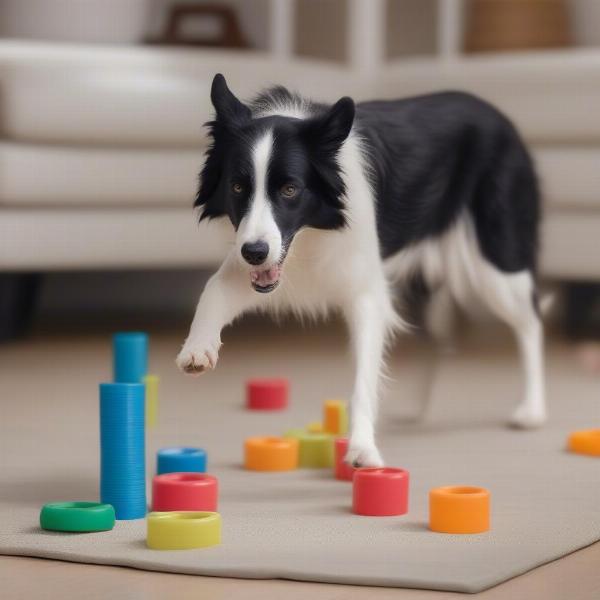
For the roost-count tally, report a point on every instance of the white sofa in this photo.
(100, 146)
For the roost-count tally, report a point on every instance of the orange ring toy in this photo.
(271, 454)
(585, 442)
(459, 509)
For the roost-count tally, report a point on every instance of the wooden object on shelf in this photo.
(494, 25)
(231, 35)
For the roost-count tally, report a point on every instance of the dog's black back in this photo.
(433, 157)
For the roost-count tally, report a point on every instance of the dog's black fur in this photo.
(429, 158)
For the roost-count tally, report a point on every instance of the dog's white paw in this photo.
(195, 358)
(526, 418)
(363, 455)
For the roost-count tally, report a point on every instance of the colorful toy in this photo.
(315, 427)
(335, 417)
(180, 460)
(315, 449)
(267, 394)
(459, 509)
(380, 492)
(184, 491)
(130, 357)
(342, 470)
(183, 530)
(151, 383)
(271, 454)
(585, 442)
(77, 516)
(122, 464)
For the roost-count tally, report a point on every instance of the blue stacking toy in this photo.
(122, 449)
(130, 357)
(180, 460)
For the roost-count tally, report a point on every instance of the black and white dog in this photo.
(331, 205)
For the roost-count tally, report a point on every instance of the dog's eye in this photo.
(289, 190)
(237, 188)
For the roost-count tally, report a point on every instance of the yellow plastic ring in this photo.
(315, 449)
(183, 530)
(585, 442)
(270, 454)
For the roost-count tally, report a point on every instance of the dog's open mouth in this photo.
(265, 280)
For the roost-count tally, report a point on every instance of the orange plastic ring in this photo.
(271, 454)
(585, 442)
(459, 509)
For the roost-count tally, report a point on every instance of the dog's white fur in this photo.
(343, 270)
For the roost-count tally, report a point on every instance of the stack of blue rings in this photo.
(122, 449)
(130, 357)
(181, 460)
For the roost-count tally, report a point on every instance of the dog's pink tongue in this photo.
(266, 277)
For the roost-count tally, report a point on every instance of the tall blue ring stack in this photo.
(130, 357)
(122, 449)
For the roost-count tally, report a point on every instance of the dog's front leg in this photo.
(368, 323)
(226, 295)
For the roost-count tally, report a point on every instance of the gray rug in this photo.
(298, 525)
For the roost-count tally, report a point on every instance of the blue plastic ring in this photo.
(180, 460)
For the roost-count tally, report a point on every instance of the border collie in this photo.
(332, 205)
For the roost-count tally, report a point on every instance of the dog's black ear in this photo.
(329, 130)
(228, 107)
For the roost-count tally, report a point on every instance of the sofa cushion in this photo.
(43, 175)
(153, 96)
(136, 96)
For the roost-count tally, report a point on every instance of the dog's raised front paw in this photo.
(363, 455)
(526, 418)
(195, 358)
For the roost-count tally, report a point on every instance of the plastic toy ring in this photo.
(180, 460)
(459, 509)
(267, 394)
(271, 454)
(77, 516)
(184, 491)
(183, 530)
(342, 470)
(315, 450)
(380, 492)
(585, 442)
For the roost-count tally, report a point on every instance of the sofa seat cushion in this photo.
(46, 175)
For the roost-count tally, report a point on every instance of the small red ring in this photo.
(343, 471)
(184, 491)
(380, 492)
(267, 394)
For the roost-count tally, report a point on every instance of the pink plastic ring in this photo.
(184, 491)
(342, 470)
(267, 394)
(380, 492)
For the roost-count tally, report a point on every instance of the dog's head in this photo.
(272, 176)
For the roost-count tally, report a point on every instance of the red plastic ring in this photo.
(267, 394)
(380, 492)
(342, 470)
(184, 491)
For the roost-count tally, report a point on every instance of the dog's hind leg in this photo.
(511, 297)
(439, 320)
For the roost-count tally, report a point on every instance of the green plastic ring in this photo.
(77, 516)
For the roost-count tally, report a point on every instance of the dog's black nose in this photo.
(255, 253)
